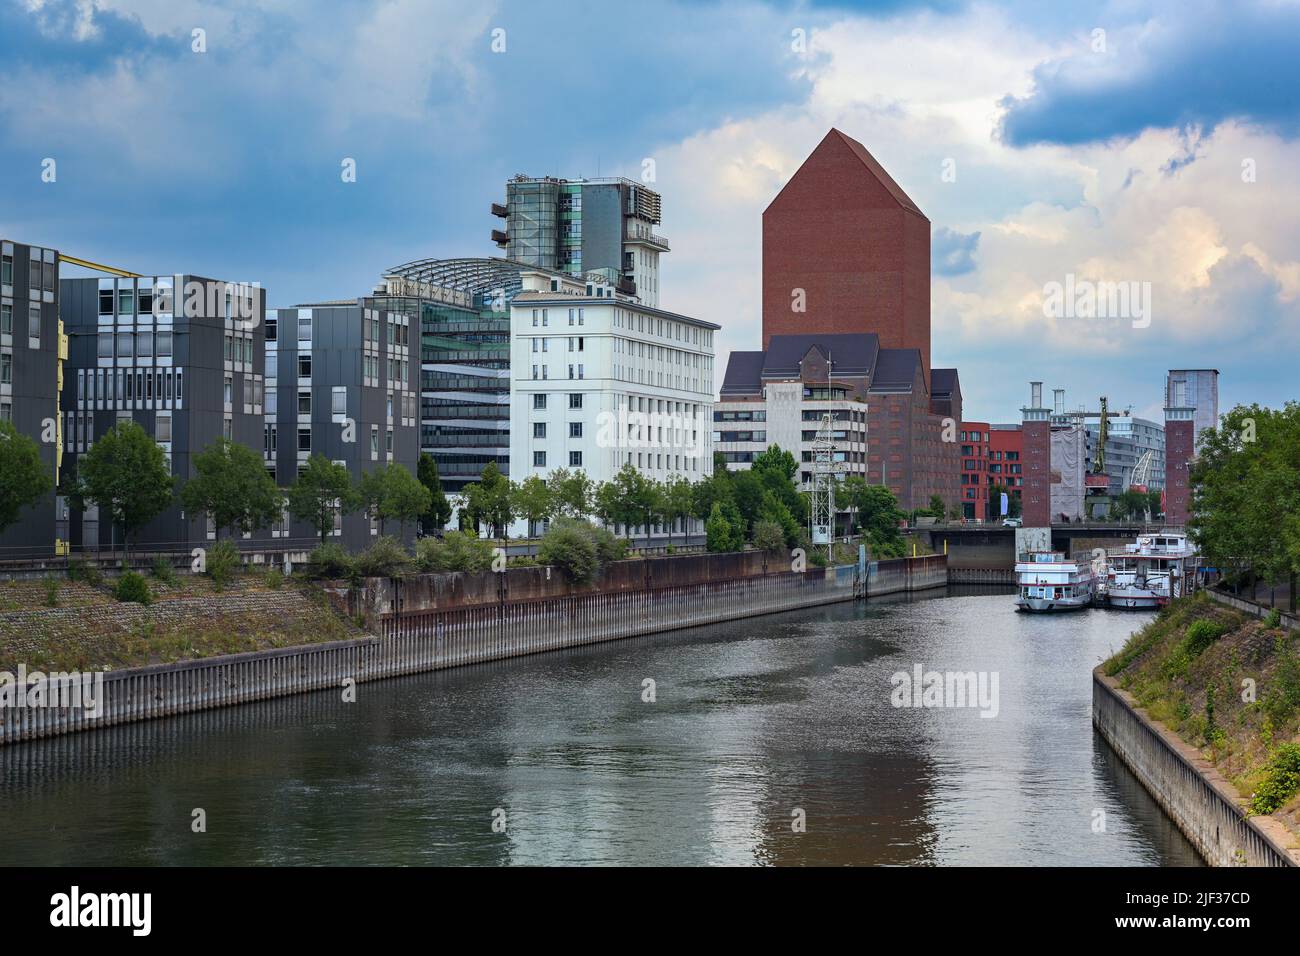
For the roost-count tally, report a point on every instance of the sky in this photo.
(1052, 146)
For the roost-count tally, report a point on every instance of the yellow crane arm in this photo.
(73, 260)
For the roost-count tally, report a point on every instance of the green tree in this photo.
(403, 498)
(720, 533)
(435, 519)
(125, 474)
(880, 517)
(573, 492)
(231, 486)
(629, 499)
(23, 479)
(322, 490)
(533, 500)
(570, 546)
(677, 501)
(850, 495)
(487, 501)
(706, 492)
(937, 507)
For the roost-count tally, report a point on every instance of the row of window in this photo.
(109, 387)
(141, 345)
(539, 429)
(539, 459)
(579, 369)
(41, 275)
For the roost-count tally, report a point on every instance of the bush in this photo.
(1281, 780)
(162, 570)
(522, 561)
(132, 587)
(609, 546)
(273, 578)
(568, 546)
(80, 570)
(768, 535)
(1273, 619)
(817, 557)
(455, 551)
(385, 558)
(330, 560)
(1200, 636)
(51, 592)
(222, 563)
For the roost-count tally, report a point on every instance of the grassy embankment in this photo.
(1229, 685)
(56, 624)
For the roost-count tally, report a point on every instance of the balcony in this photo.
(641, 235)
(498, 210)
(499, 237)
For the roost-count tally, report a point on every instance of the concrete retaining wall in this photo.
(1189, 789)
(451, 636)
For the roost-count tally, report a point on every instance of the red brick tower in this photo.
(1036, 496)
(1180, 447)
(846, 234)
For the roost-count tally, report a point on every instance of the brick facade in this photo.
(845, 233)
(1036, 497)
(1180, 446)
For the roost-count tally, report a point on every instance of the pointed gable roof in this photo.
(837, 140)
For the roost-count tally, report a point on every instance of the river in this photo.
(772, 740)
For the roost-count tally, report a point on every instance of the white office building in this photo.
(599, 380)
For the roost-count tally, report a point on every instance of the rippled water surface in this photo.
(753, 721)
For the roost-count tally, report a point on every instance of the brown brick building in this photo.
(845, 244)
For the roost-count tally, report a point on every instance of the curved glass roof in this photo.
(474, 276)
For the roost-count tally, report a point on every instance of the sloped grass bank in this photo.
(1228, 685)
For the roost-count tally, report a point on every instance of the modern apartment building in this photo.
(32, 350)
(341, 383)
(975, 477)
(1006, 467)
(463, 307)
(585, 226)
(599, 380)
(183, 356)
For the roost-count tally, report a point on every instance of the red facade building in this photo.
(1006, 461)
(974, 439)
(846, 250)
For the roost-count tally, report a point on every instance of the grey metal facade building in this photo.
(341, 382)
(30, 367)
(183, 357)
(582, 226)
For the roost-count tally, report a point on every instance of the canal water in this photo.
(772, 740)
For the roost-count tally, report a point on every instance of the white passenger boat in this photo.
(1149, 573)
(1050, 581)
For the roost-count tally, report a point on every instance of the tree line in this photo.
(125, 474)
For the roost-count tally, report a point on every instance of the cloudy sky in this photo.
(1142, 142)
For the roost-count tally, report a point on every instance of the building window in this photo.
(163, 344)
(304, 439)
(388, 442)
(575, 399)
(106, 345)
(304, 402)
(7, 270)
(6, 368)
(163, 428)
(539, 400)
(539, 429)
(33, 321)
(304, 365)
(304, 328)
(339, 401)
(539, 459)
(124, 345)
(228, 390)
(144, 344)
(575, 429)
(575, 459)
(374, 442)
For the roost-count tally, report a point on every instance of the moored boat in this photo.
(1050, 581)
(1152, 571)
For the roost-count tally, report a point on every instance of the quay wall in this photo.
(1203, 805)
(459, 632)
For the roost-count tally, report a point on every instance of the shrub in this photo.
(455, 551)
(1281, 779)
(385, 558)
(1273, 618)
(609, 546)
(132, 587)
(162, 570)
(768, 535)
(51, 592)
(817, 556)
(522, 561)
(1284, 690)
(273, 578)
(222, 563)
(1201, 635)
(329, 560)
(568, 546)
(80, 570)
